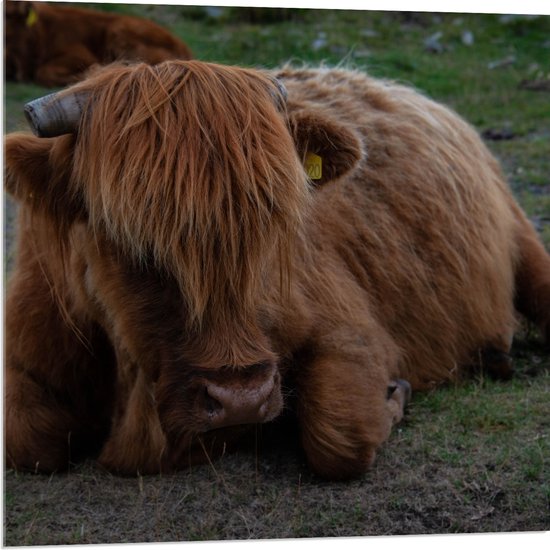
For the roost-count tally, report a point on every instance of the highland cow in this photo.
(54, 45)
(197, 243)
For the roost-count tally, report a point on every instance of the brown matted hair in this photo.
(192, 164)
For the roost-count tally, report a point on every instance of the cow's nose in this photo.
(211, 404)
(242, 401)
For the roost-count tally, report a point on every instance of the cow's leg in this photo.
(496, 360)
(66, 68)
(349, 398)
(136, 443)
(45, 428)
(532, 298)
(533, 278)
(57, 384)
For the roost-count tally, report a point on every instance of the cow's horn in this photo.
(282, 89)
(55, 114)
(282, 96)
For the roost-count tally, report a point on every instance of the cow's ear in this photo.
(37, 173)
(328, 149)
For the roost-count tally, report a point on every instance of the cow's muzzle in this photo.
(243, 396)
(192, 401)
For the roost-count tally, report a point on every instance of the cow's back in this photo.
(424, 224)
(109, 36)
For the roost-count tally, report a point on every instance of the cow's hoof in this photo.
(405, 388)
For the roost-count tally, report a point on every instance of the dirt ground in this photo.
(418, 486)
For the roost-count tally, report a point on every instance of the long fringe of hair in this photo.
(192, 165)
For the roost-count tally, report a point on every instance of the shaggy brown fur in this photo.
(176, 262)
(53, 45)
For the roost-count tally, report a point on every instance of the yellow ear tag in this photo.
(32, 18)
(314, 166)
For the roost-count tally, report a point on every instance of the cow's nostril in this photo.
(212, 405)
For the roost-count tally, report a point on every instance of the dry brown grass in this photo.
(470, 459)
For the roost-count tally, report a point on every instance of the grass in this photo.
(468, 458)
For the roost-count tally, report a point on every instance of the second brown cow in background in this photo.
(53, 45)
